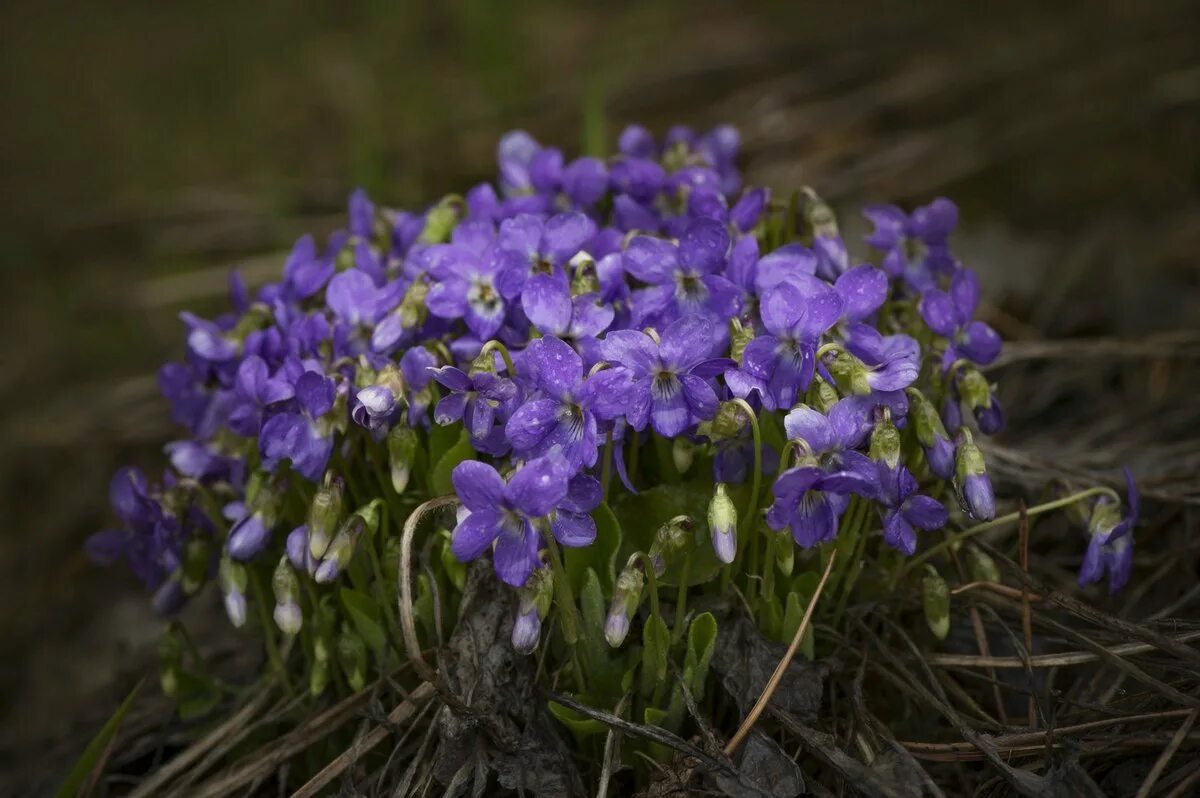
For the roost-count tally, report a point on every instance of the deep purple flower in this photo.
(684, 279)
(300, 436)
(306, 271)
(667, 381)
(505, 514)
(255, 389)
(150, 539)
(778, 365)
(479, 400)
(863, 290)
(561, 417)
(533, 251)
(248, 537)
(903, 508)
(949, 314)
(749, 208)
(892, 362)
(353, 297)
(1110, 539)
(809, 500)
(515, 152)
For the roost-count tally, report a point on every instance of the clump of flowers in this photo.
(632, 361)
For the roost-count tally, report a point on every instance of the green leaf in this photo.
(363, 612)
(605, 665)
(601, 556)
(423, 607)
(581, 725)
(792, 616)
(653, 716)
(439, 475)
(702, 639)
(656, 645)
(95, 749)
(640, 517)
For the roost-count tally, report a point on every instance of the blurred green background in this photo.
(146, 148)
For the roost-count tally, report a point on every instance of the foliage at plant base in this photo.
(613, 441)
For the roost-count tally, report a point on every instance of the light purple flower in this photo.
(684, 279)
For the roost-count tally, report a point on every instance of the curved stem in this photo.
(651, 581)
(756, 484)
(408, 624)
(496, 346)
(681, 599)
(1039, 509)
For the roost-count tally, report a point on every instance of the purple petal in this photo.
(351, 296)
(607, 393)
(573, 529)
(479, 418)
(636, 141)
(814, 522)
(316, 393)
(897, 532)
(822, 306)
(939, 312)
(478, 485)
(531, 423)
(450, 409)
(759, 357)
(964, 291)
(589, 316)
(1092, 567)
(863, 290)
(703, 246)
(248, 537)
(651, 260)
(924, 512)
(474, 534)
(585, 180)
(516, 554)
(748, 210)
(453, 378)
(691, 339)
(701, 398)
(584, 494)
(538, 486)
(979, 343)
(806, 424)
(784, 262)
(669, 412)
(546, 300)
(545, 170)
(565, 234)
(555, 367)
(781, 309)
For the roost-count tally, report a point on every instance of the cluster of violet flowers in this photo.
(565, 318)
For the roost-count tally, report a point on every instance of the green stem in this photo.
(651, 581)
(1038, 509)
(569, 618)
(606, 466)
(756, 484)
(681, 600)
(264, 618)
(496, 346)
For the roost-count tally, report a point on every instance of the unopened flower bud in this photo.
(440, 221)
(850, 373)
(820, 217)
(297, 548)
(402, 444)
(722, 522)
(248, 537)
(739, 336)
(822, 395)
(527, 629)
(232, 578)
(287, 591)
(981, 566)
(931, 434)
(341, 549)
(990, 418)
(885, 440)
(324, 515)
(318, 678)
(683, 451)
(627, 594)
(352, 656)
(197, 557)
(728, 423)
(971, 480)
(935, 596)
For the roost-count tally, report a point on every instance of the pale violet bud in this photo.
(722, 521)
(627, 594)
(298, 549)
(232, 578)
(527, 629)
(324, 515)
(248, 537)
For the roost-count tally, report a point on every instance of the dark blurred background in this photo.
(146, 148)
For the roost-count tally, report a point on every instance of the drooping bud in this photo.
(324, 515)
(232, 578)
(722, 522)
(683, 451)
(728, 423)
(981, 566)
(971, 480)
(670, 539)
(821, 395)
(885, 440)
(370, 513)
(341, 549)
(820, 217)
(935, 596)
(739, 336)
(287, 591)
(582, 268)
(248, 537)
(533, 606)
(440, 221)
(931, 434)
(627, 594)
(850, 373)
(197, 557)
(352, 656)
(402, 445)
(297, 548)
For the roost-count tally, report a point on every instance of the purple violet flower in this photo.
(1110, 539)
(903, 508)
(684, 279)
(949, 314)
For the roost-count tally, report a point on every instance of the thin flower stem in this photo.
(566, 597)
(756, 484)
(260, 601)
(681, 600)
(651, 581)
(496, 346)
(606, 466)
(1039, 509)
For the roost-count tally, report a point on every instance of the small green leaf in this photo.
(581, 725)
(792, 617)
(364, 614)
(439, 476)
(702, 639)
(605, 666)
(601, 556)
(656, 644)
(95, 749)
